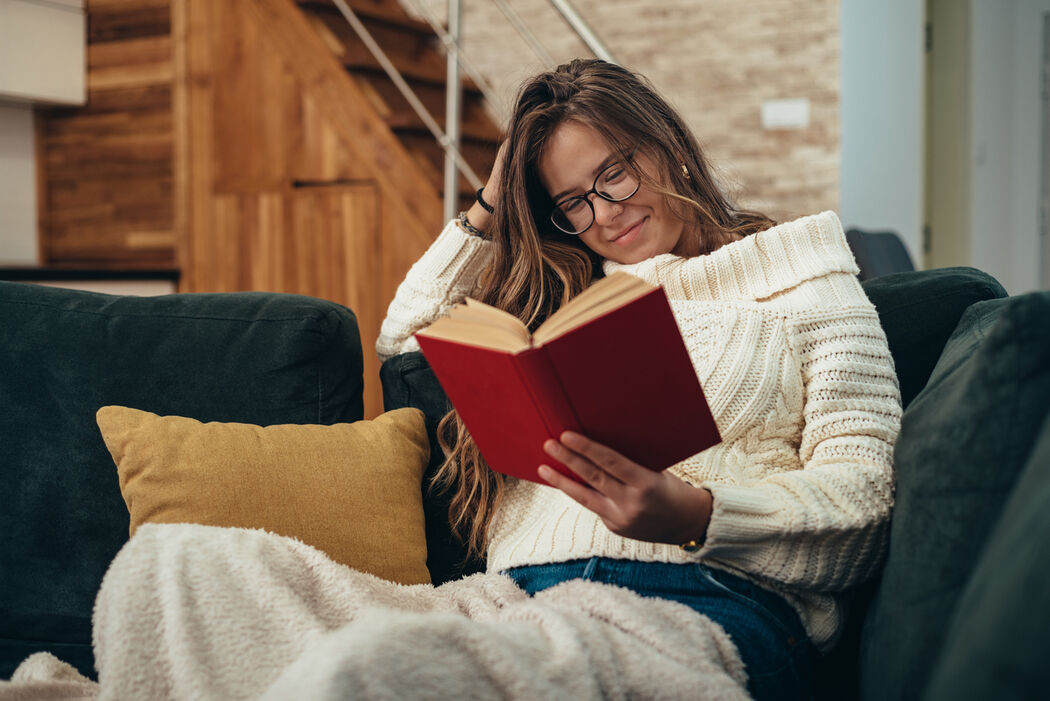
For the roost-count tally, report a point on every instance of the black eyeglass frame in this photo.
(594, 189)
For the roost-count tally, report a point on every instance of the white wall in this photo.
(42, 50)
(17, 185)
(882, 103)
(1007, 133)
(42, 59)
(948, 127)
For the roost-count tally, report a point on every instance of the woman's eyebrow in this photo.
(609, 160)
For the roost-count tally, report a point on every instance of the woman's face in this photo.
(629, 231)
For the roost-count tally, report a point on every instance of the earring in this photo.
(685, 172)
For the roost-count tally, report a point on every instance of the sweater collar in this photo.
(756, 266)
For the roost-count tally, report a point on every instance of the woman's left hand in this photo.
(633, 501)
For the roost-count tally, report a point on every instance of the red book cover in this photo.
(623, 379)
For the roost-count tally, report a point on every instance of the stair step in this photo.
(371, 13)
(413, 51)
(475, 122)
(469, 132)
(121, 22)
(430, 153)
(358, 58)
(392, 38)
(375, 10)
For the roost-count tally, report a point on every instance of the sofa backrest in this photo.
(247, 357)
(964, 443)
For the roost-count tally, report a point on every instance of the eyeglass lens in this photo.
(576, 214)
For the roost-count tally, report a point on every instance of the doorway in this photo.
(988, 139)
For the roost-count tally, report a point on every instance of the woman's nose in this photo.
(605, 211)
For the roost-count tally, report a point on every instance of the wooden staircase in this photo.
(413, 48)
(254, 145)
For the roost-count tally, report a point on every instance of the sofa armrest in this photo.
(247, 357)
(964, 442)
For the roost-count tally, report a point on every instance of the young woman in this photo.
(600, 174)
(757, 534)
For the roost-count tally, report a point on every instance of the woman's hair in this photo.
(536, 267)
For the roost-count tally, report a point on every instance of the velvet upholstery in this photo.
(964, 441)
(248, 357)
(1001, 618)
(919, 311)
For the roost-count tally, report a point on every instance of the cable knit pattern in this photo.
(800, 380)
(442, 278)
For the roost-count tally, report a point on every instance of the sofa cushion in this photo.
(350, 489)
(249, 357)
(995, 646)
(919, 311)
(963, 442)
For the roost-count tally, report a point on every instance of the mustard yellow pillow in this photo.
(351, 490)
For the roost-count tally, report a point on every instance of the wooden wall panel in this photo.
(226, 139)
(290, 181)
(107, 168)
(321, 242)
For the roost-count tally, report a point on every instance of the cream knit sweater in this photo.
(800, 381)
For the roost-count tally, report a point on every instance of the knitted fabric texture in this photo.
(801, 383)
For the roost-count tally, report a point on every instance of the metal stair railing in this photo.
(449, 140)
(447, 42)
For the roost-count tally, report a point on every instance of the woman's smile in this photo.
(628, 235)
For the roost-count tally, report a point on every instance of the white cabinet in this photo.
(42, 51)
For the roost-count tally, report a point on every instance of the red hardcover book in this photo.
(610, 364)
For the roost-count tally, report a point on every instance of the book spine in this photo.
(549, 397)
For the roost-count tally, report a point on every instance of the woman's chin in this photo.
(629, 257)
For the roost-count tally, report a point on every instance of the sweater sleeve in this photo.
(823, 527)
(445, 274)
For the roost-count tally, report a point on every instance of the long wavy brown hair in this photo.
(536, 268)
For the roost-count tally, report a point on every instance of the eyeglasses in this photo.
(615, 183)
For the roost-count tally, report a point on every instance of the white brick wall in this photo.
(717, 61)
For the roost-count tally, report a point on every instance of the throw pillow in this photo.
(919, 310)
(963, 443)
(351, 490)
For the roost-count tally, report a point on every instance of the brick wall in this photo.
(716, 61)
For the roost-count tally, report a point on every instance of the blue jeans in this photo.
(766, 630)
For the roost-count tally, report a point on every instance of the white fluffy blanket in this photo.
(194, 612)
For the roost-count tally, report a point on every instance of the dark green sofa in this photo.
(953, 608)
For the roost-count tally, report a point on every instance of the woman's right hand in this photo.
(477, 214)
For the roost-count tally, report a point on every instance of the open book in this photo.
(610, 364)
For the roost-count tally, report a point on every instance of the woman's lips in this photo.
(629, 235)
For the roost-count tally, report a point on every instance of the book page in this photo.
(479, 312)
(601, 297)
(473, 332)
